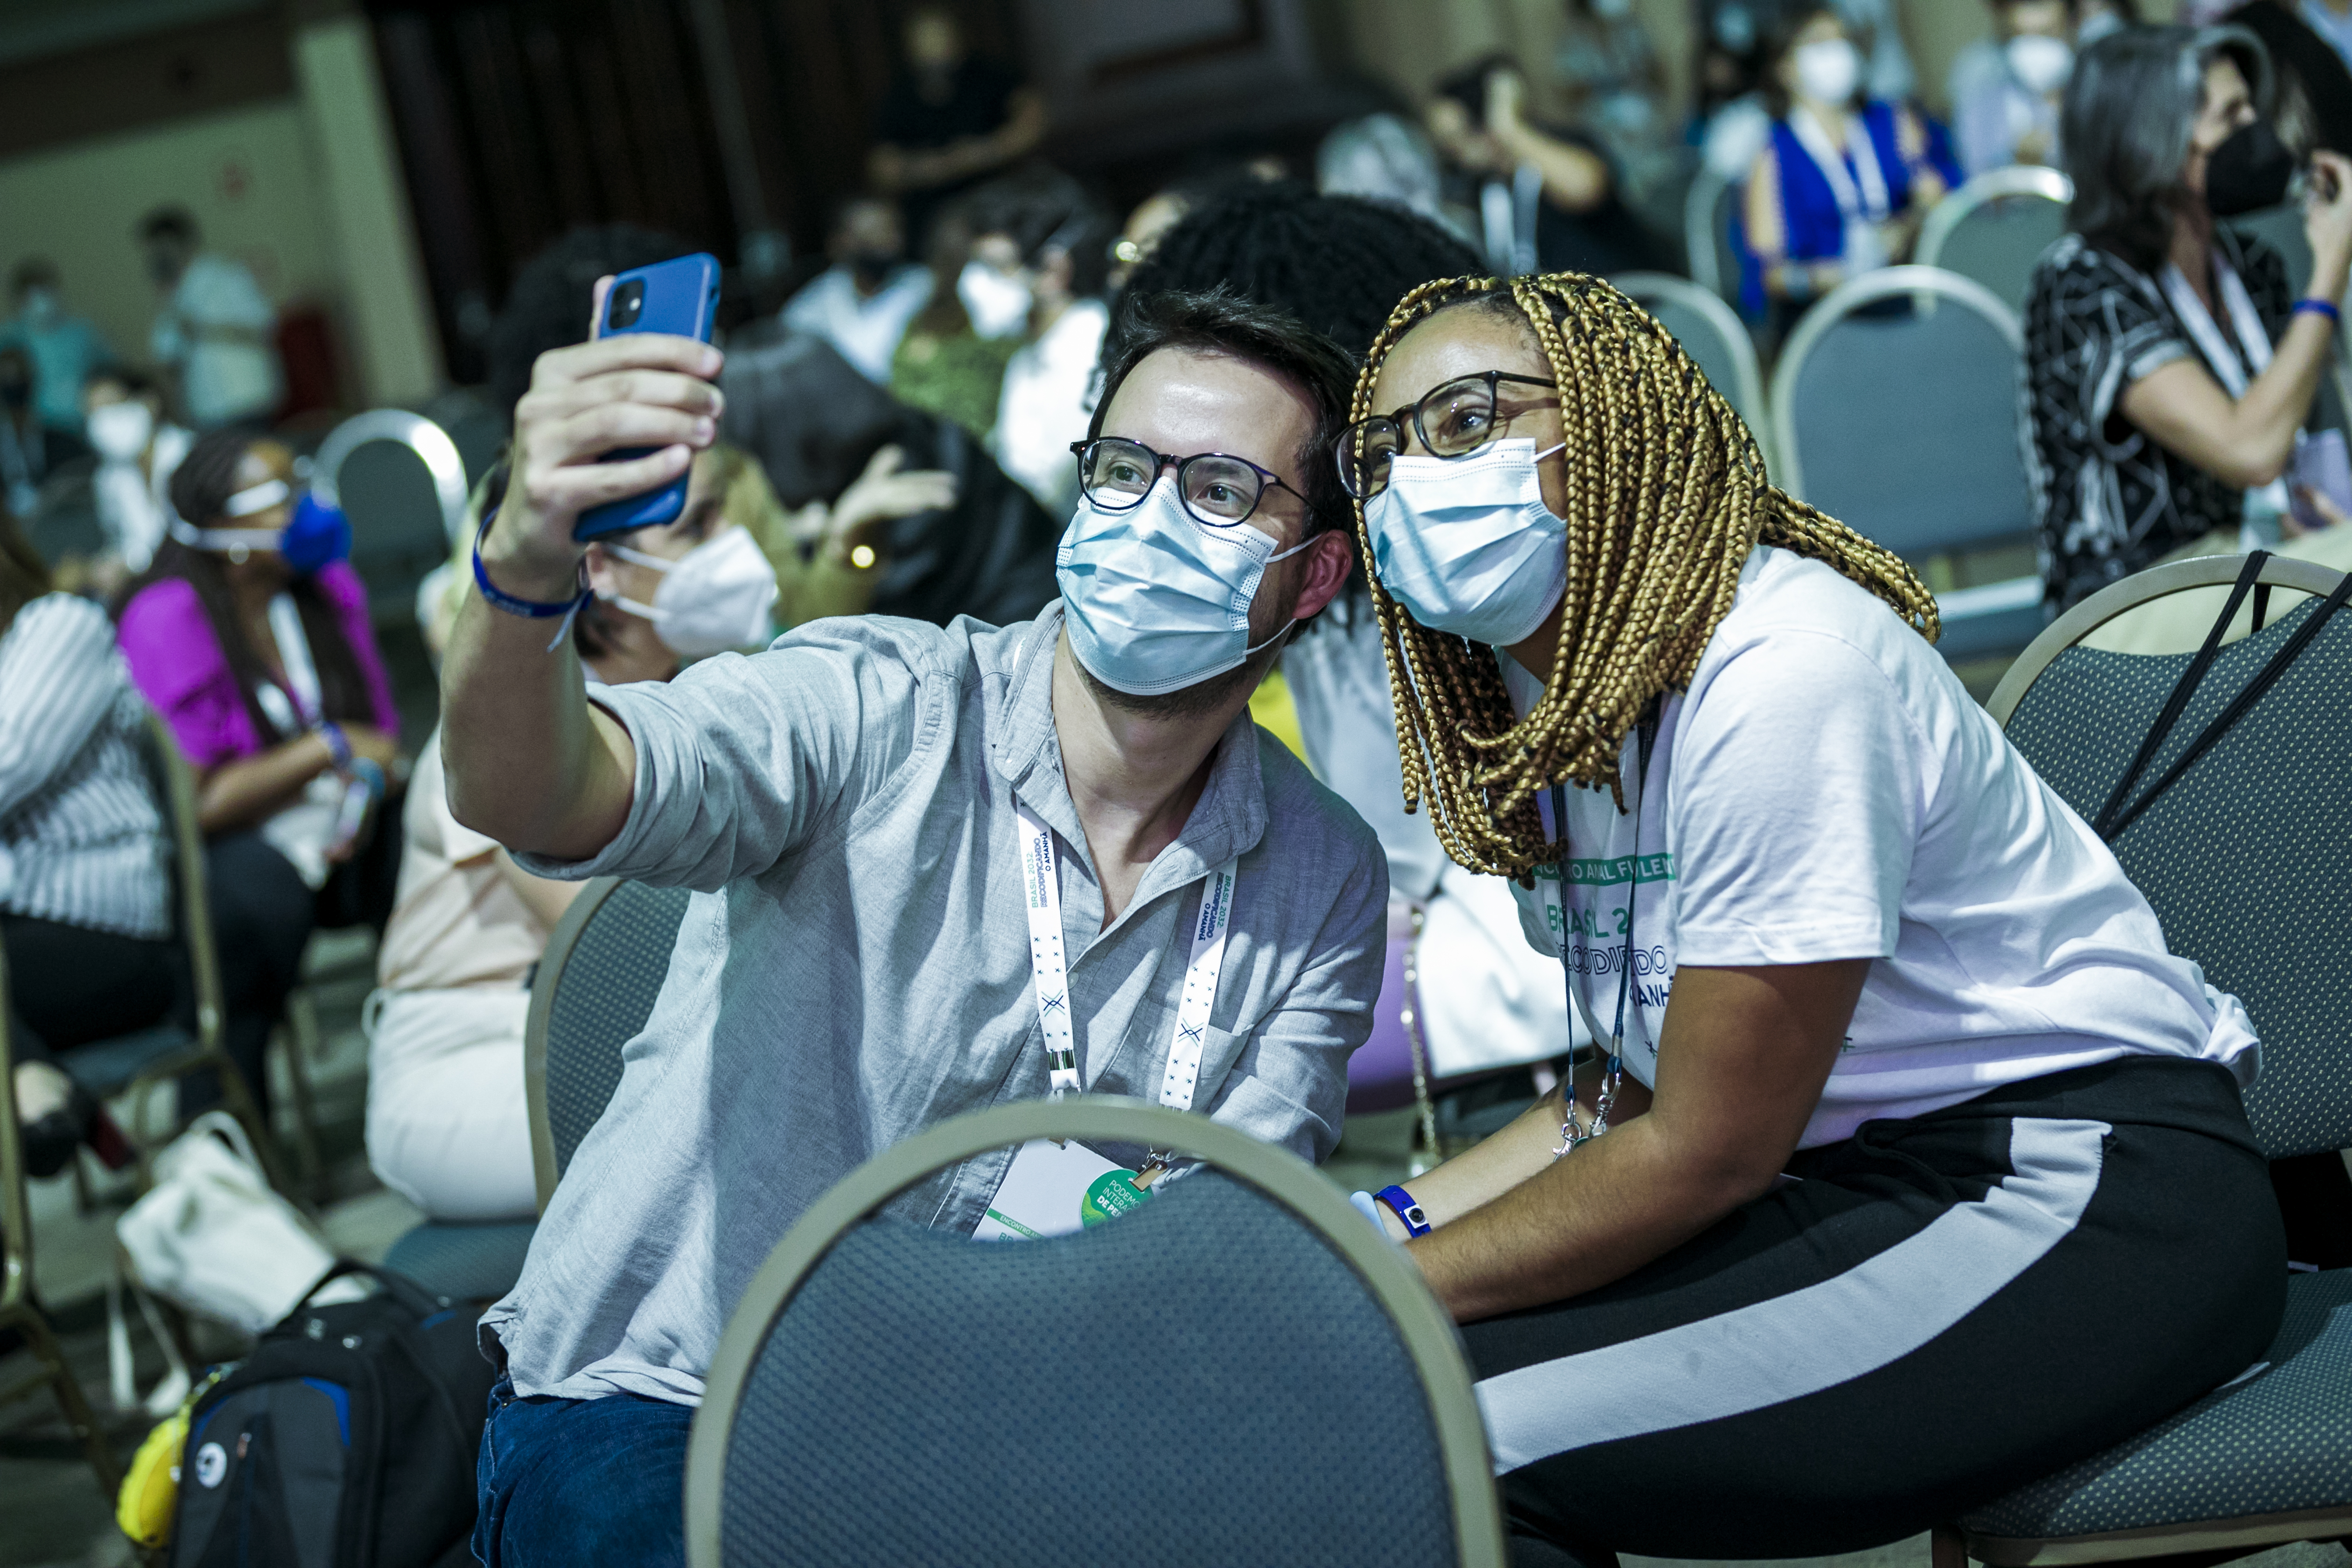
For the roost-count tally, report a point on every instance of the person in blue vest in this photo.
(1844, 181)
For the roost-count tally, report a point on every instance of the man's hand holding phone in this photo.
(628, 390)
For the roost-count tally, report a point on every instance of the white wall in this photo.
(247, 175)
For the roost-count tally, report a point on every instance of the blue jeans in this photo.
(566, 1483)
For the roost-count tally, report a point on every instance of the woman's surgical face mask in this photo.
(1828, 71)
(1468, 545)
(119, 431)
(715, 597)
(997, 302)
(2039, 63)
(1156, 601)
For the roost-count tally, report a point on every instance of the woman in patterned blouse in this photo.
(2169, 367)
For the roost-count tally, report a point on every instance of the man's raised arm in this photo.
(530, 761)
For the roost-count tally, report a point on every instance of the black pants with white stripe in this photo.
(1938, 1310)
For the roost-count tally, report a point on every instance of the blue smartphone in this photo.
(681, 297)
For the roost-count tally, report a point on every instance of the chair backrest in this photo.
(1706, 234)
(1711, 332)
(593, 993)
(1240, 1370)
(2248, 857)
(1996, 227)
(16, 1217)
(1902, 422)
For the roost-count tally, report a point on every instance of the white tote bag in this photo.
(213, 1237)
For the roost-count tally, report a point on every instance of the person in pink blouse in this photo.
(249, 634)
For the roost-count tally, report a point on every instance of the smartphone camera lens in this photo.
(628, 304)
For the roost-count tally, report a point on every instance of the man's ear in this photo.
(1327, 569)
(602, 570)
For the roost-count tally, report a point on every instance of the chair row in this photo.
(1900, 422)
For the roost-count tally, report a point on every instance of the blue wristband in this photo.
(533, 609)
(1401, 1202)
(339, 745)
(2318, 308)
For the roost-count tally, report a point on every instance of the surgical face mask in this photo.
(1468, 545)
(119, 431)
(1828, 71)
(2249, 170)
(713, 598)
(1156, 602)
(40, 307)
(2040, 64)
(998, 305)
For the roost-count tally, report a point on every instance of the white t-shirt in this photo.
(1827, 789)
(865, 328)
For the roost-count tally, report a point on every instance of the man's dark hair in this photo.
(168, 223)
(1338, 264)
(33, 272)
(2125, 129)
(547, 306)
(1221, 321)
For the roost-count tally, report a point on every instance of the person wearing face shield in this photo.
(863, 302)
(2169, 367)
(1897, 1084)
(2006, 90)
(448, 1125)
(1845, 180)
(935, 868)
(249, 633)
(65, 348)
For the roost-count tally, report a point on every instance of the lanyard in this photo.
(1050, 967)
(1613, 1074)
(2246, 322)
(1869, 202)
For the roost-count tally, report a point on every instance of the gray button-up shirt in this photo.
(854, 966)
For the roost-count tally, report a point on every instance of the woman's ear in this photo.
(604, 571)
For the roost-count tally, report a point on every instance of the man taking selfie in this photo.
(865, 813)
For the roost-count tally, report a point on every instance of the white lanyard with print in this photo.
(1057, 1187)
(2246, 322)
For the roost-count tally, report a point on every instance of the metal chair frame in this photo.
(1992, 186)
(1428, 1334)
(18, 1308)
(545, 1170)
(2141, 588)
(179, 804)
(1698, 231)
(1747, 391)
(1953, 1544)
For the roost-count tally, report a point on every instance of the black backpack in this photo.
(346, 1440)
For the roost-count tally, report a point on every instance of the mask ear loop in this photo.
(639, 558)
(1278, 636)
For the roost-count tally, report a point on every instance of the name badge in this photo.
(1056, 1188)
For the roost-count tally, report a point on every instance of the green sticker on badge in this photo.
(1111, 1195)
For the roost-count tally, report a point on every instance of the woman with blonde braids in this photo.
(1901, 1094)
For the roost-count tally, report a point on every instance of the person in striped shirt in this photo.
(85, 915)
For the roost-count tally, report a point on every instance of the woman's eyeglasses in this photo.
(1217, 490)
(1453, 420)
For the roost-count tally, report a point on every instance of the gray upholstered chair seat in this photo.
(2278, 1443)
(477, 1262)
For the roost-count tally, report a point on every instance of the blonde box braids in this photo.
(1667, 495)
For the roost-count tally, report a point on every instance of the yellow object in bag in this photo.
(150, 1490)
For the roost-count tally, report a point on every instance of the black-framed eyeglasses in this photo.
(1218, 489)
(1452, 420)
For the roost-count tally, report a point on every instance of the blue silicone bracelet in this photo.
(2319, 308)
(536, 609)
(1401, 1204)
